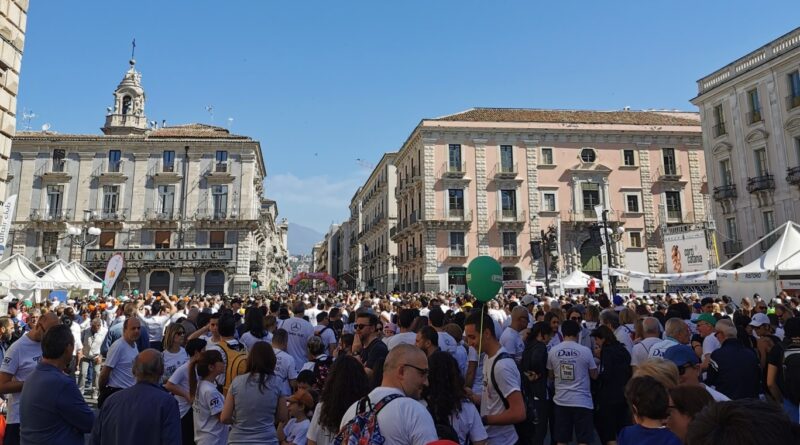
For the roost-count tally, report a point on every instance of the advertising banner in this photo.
(113, 269)
(686, 251)
(8, 218)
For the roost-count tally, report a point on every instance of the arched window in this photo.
(126, 105)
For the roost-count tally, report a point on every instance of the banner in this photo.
(686, 251)
(113, 269)
(8, 217)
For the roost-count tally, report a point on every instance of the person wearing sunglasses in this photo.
(735, 369)
(373, 350)
(689, 370)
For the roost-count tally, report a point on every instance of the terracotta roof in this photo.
(201, 131)
(569, 117)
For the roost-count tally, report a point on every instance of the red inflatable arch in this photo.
(314, 276)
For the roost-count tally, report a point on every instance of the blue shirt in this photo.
(53, 409)
(638, 435)
(142, 414)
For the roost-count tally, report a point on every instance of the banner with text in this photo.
(113, 269)
(686, 251)
(8, 218)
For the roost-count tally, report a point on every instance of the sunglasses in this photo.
(422, 371)
(359, 327)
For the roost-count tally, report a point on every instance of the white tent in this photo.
(19, 279)
(764, 275)
(88, 279)
(58, 276)
(576, 280)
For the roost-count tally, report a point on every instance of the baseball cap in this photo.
(302, 397)
(528, 299)
(708, 318)
(681, 355)
(759, 320)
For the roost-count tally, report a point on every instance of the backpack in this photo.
(364, 429)
(444, 430)
(321, 369)
(235, 364)
(527, 398)
(319, 334)
(791, 373)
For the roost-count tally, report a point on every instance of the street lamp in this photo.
(616, 235)
(83, 236)
(546, 247)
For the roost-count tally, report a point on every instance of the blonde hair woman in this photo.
(664, 371)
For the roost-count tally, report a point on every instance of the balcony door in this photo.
(166, 200)
(54, 200)
(670, 167)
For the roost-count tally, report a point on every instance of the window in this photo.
(591, 196)
(547, 156)
(588, 155)
(49, 243)
(506, 159)
(761, 166)
(668, 155)
(106, 240)
(794, 89)
(454, 157)
(220, 197)
(166, 200)
(508, 203)
(509, 243)
(162, 239)
(126, 105)
(549, 202)
(635, 239)
(59, 156)
(457, 246)
(754, 115)
(54, 193)
(216, 239)
(455, 202)
(673, 205)
(110, 199)
(168, 158)
(733, 233)
(114, 161)
(632, 203)
(726, 175)
(628, 158)
(719, 121)
(221, 161)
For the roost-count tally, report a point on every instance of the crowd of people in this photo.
(424, 368)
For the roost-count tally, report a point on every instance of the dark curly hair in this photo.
(445, 391)
(347, 383)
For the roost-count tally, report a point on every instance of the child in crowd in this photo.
(295, 430)
(208, 401)
(649, 402)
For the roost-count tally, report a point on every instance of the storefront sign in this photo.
(163, 257)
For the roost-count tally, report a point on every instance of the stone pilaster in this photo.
(480, 196)
(26, 179)
(139, 184)
(532, 171)
(85, 170)
(430, 277)
(696, 184)
(652, 240)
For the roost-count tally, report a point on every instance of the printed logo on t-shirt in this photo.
(214, 402)
(7, 360)
(568, 353)
(567, 371)
(657, 353)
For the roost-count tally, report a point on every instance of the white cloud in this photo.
(314, 201)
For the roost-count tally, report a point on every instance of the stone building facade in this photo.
(750, 114)
(13, 22)
(184, 205)
(488, 181)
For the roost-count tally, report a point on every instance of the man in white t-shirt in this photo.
(117, 373)
(326, 332)
(19, 362)
(285, 367)
(676, 332)
(403, 420)
(641, 350)
(512, 335)
(572, 367)
(404, 319)
(502, 405)
(705, 327)
(299, 331)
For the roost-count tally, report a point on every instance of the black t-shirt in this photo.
(374, 353)
(775, 358)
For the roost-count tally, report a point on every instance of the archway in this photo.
(313, 276)
(591, 263)
(159, 280)
(214, 282)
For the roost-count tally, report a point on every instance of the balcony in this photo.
(509, 251)
(719, 130)
(761, 183)
(510, 217)
(792, 101)
(504, 171)
(107, 214)
(725, 192)
(156, 214)
(456, 171)
(166, 173)
(112, 172)
(674, 216)
(51, 215)
(731, 248)
(219, 172)
(754, 116)
(669, 173)
(793, 175)
(458, 251)
(212, 215)
(54, 171)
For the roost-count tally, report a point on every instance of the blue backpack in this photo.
(363, 429)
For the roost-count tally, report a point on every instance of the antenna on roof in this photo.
(210, 109)
(230, 123)
(27, 117)
(45, 127)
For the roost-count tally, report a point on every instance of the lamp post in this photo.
(546, 247)
(84, 235)
(616, 235)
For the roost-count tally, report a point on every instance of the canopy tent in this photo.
(772, 272)
(58, 276)
(90, 280)
(576, 280)
(19, 279)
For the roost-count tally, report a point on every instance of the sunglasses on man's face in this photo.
(359, 327)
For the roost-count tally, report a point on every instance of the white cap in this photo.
(759, 320)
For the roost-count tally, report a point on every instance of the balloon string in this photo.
(480, 336)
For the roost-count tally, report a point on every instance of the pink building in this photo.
(488, 182)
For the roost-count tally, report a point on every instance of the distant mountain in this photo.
(302, 239)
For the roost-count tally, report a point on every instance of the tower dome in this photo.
(127, 115)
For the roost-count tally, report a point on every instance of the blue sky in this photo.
(323, 83)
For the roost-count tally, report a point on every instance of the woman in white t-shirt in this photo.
(178, 386)
(254, 328)
(174, 354)
(447, 401)
(208, 401)
(347, 383)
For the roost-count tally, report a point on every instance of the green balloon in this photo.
(136, 292)
(484, 277)
(254, 284)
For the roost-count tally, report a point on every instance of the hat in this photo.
(708, 318)
(618, 301)
(466, 305)
(759, 320)
(528, 299)
(302, 397)
(681, 355)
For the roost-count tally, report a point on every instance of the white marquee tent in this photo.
(577, 280)
(90, 280)
(19, 279)
(58, 276)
